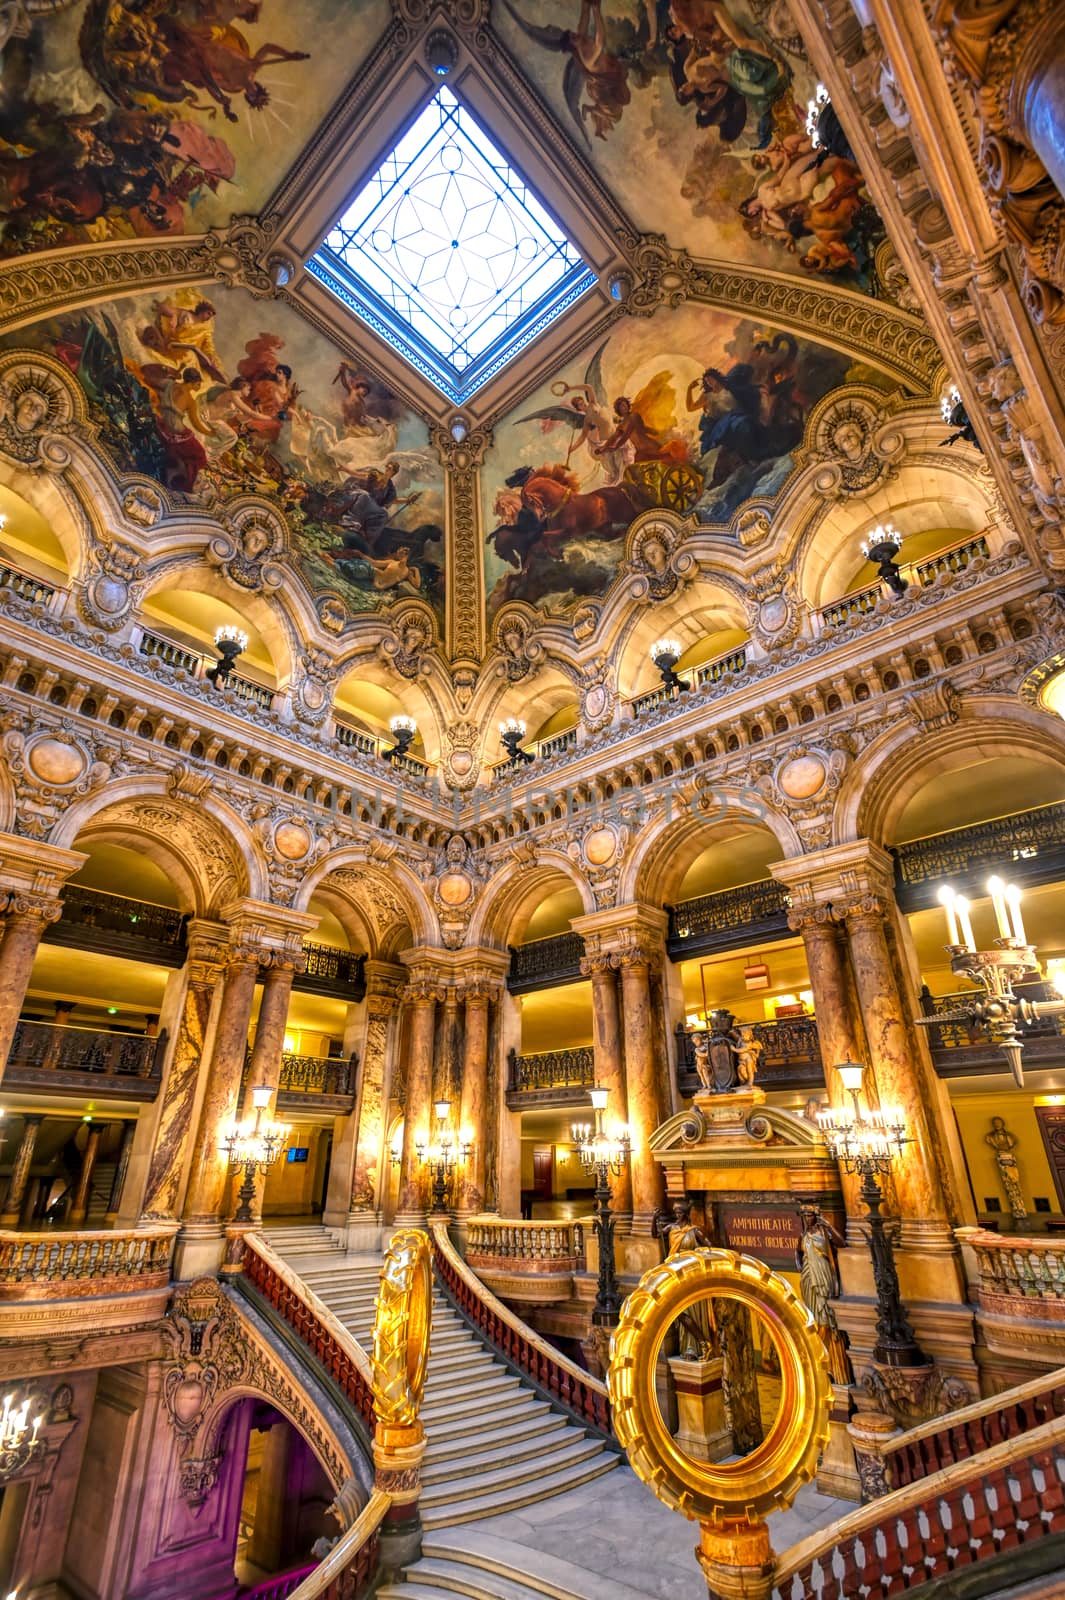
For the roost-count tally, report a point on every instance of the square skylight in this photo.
(447, 253)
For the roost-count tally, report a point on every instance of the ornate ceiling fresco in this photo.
(169, 166)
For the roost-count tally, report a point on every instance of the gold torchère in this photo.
(729, 1499)
(400, 1355)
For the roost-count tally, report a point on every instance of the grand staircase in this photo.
(493, 1444)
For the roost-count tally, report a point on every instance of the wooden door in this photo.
(542, 1184)
(1052, 1127)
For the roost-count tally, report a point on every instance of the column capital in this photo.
(32, 867)
(274, 931)
(32, 905)
(206, 943)
(626, 936)
(813, 921)
(594, 966)
(838, 875)
(385, 981)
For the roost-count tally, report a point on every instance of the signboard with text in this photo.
(769, 1232)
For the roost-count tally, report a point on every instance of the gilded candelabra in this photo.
(603, 1155)
(443, 1155)
(19, 1438)
(254, 1148)
(1010, 961)
(866, 1143)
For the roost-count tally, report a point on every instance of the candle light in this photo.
(996, 888)
(1013, 897)
(946, 900)
(961, 905)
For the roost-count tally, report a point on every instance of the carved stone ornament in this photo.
(239, 255)
(802, 785)
(315, 690)
(332, 613)
(249, 551)
(773, 608)
(857, 450)
(599, 850)
(143, 504)
(454, 883)
(118, 578)
(408, 647)
(664, 277)
(37, 403)
(49, 768)
(655, 565)
(460, 760)
(933, 706)
(585, 621)
(1025, 430)
(598, 693)
(291, 845)
(518, 648)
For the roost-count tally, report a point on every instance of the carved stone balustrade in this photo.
(925, 573)
(752, 913)
(550, 1077)
(86, 1282)
(1029, 844)
(530, 1262)
(55, 1056)
(1020, 1293)
(545, 963)
(790, 1058)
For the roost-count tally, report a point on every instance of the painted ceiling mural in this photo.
(695, 409)
(120, 120)
(694, 113)
(215, 394)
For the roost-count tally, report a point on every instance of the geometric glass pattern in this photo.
(448, 254)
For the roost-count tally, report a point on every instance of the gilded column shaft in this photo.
(221, 1100)
(609, 1065)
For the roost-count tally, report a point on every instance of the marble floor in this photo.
(615, 1529)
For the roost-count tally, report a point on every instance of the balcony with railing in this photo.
(550, 1077)
(528, 1262)
(1029, 845)
(545, 963)
(58, 1058)
(1019, 1282)
(93, 919)
(341, 974)
(956, 558)
(752, 913)
(314, 1083)
(354, 738)
(84, 1282)
(730, 664)
(35, 591)
(157, 647)
(962, 1049)
(790, 1058)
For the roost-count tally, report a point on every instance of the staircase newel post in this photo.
(397, 1455)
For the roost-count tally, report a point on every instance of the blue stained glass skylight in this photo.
(448, 254)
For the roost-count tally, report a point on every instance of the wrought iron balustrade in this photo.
(317, 1074)
(97, 920)
(790, 1058)
(1029, 845)
(751, 913)
(334, 971)
(551, 1069)
(49, 1054)
(27, 587)
(544, 963)
(965, 1047)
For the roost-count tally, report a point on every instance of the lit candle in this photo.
(961, 905)
(946, 900)
(1013, 896)
(995, 888)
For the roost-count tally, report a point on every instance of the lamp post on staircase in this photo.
(604, 1155)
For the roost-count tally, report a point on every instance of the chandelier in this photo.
(444, 1154)
(1010, 961)
(598, 1151)
(19, 1439)
(254, 1147)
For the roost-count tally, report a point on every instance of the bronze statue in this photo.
(680, 1233)
(815, 1257)
(1003, 1143)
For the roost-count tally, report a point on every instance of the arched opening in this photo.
(284, 1507)
(190, 618)
(706, 622)
(28, 543)
(368, 708)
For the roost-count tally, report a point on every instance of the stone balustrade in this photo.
(54, 1266)
(528, 1262)
(1020, 1285)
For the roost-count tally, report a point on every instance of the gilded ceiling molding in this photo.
(55, 281)
(462, 452)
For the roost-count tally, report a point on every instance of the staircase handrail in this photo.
(988, 1469)
(954, 1428)
(582, 1395)
(334, 1345)
(360, 1540)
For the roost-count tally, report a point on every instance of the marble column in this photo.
(79, 1208)
(421, 999)
(609, 1065)
(919, 1183)
(118, 1182)
(170, 1152)
(473, 1107)
(201, 1224)
(643, 1099)
(26, 916)
(264, 1070)
(369, 1173)
(20, 1176)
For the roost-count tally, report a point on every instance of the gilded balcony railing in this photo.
(1029, 846)
(544, 963)
(550, 1069)
(53, 1054)
(58, 1266)
(502, 1242)
(748, 914)
(790, 1058)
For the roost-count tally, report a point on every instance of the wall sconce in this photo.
(511, 733)
(254, 1148)
(403, 730)
(952, 408)
(230, 643)
(882, 546)
(665, 653)
(19, 1439)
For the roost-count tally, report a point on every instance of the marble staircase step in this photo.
(531, 1429)
(519, 1406)
(508, 1463)
(511, 1496)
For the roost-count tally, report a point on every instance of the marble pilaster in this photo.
(20, 1175)
(80, 1204)
(384, 986)
(423, 992)
(32, 875)
(473, 1108)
